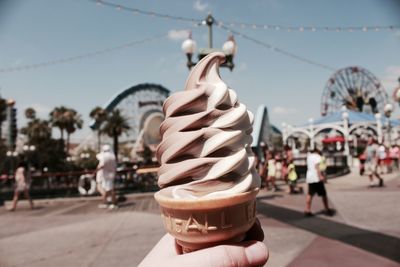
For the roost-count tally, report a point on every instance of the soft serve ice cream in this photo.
(206, 135)
(207, 178)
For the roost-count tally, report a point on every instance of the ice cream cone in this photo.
(197, 224)
(207, 177)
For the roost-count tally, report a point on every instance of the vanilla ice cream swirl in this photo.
(206, 135)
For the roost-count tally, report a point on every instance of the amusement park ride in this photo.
(354, 105)
(350, 92)
(142, 106)
(356, 89)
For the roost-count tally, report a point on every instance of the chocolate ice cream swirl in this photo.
(205, 149)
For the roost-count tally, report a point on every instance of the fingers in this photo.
(248, 253)
(164, 250)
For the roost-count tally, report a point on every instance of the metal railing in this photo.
(65, 184)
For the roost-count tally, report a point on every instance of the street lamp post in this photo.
(28, 149)
(311, 127)
(84, 157)
(284, 133)
(229, 47)
(379, 127)
(12, 155)
(209, 21)
(388, 109)
(69, 162)
(345, 116)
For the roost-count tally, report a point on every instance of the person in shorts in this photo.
(271, 163)
(382, 159)
(315, 182)
(105, 176)
(371, 162)
(22, 185)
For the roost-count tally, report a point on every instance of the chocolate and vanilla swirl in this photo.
(206, 135)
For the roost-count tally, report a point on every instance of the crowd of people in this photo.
(271, 166)
(274, 166)
(375, 160)
(379, 159)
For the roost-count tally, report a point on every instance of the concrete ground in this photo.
(73, 232)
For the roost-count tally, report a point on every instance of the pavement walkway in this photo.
(74, 232)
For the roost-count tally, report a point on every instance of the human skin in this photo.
(251, 252)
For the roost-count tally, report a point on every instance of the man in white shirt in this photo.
(105, 175)
(315, 181)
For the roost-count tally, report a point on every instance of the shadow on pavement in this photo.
(269, 197)
(378, 243)
(126, 204)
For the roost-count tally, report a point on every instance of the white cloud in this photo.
(390, 78)
(200, 6)
(397, 33)
(176, 35)
(279, 110)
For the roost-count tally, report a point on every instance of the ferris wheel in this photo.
(355, 88)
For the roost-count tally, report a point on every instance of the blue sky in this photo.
(33, 31)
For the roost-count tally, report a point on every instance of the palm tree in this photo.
(99, 115)
(37, 130)
(115, 125)
(30, 113)
(73, 121)
(52, 152)
(57, 119)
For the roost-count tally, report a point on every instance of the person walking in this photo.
(279, 172)
(22, 185)
(271, 171)
(105, 176)
(394, 154)
(292, 178)
(263, 166)
(315, 182)
(382, 158)
(371, 162)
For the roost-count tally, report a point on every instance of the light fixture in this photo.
(388, 109)
(229, 48)
(189, 47)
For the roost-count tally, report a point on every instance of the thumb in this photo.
(250, 253)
